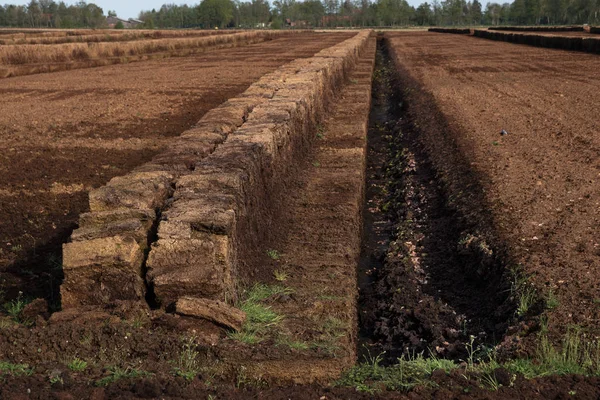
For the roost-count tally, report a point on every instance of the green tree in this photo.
(476, 13)
(423, 14)
(215, 13)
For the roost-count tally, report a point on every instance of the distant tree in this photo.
(112, 13)
(476, 13)
(423, 14)
(215, 13)
(119, 25)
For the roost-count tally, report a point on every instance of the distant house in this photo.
(296, 24)
(127, 23)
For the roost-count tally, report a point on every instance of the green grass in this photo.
(16, 306)
(576, 355)
(280, 276)
(260, 318)
(409, 372)
(273, 254)
(551, 300)
(77, 365)
(7, 368)
(117, 373)
(285, 340)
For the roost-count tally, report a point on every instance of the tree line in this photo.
(310, 13)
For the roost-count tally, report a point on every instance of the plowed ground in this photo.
(540, 181)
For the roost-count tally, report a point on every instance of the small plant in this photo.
(14, 369)
(77, 365)
(187, 364)
(117, 373)
(280, 276)
(552, 301)
(273, 254)
(316, 164)
(14, 307)
(354, 81)
(526, 299)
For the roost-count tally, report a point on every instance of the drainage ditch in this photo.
(419, 286)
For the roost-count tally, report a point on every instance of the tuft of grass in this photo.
(117, 373)
(551, 300)
(280, 276)
(260, 318)
(273, 254)
(525, 299)
(187, 364)
(8, 368)
(77, 365)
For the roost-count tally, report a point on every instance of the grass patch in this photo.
(117, 373)
(260, 318)
(273, 254)
(575, 355)
(7, 368)
(77, 365)
(285, 340)
(409, 372)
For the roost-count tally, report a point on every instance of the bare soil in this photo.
(65, 133)
(538, 182)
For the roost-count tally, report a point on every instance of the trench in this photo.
(418, 292)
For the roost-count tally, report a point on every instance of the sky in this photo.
(131, 9)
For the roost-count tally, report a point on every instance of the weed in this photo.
(77, 365)
(526, 299)
(14, 307)
(316, 164)
(15, 369)
(117, 373)
(280, 276)
(354, 81)
(187, 364)
(552, 301)
(273, 254)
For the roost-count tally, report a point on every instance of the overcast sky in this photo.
(131, 9)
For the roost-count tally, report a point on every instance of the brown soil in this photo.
(65, 133)
(531, 194)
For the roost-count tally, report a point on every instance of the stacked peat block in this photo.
(586, 44)
(104, 260)
(575, 28)
(459, 31)
(207, 197)
(222, 208)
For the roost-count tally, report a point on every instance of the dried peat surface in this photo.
(418, 289)
(529, 197)
(67, 132)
